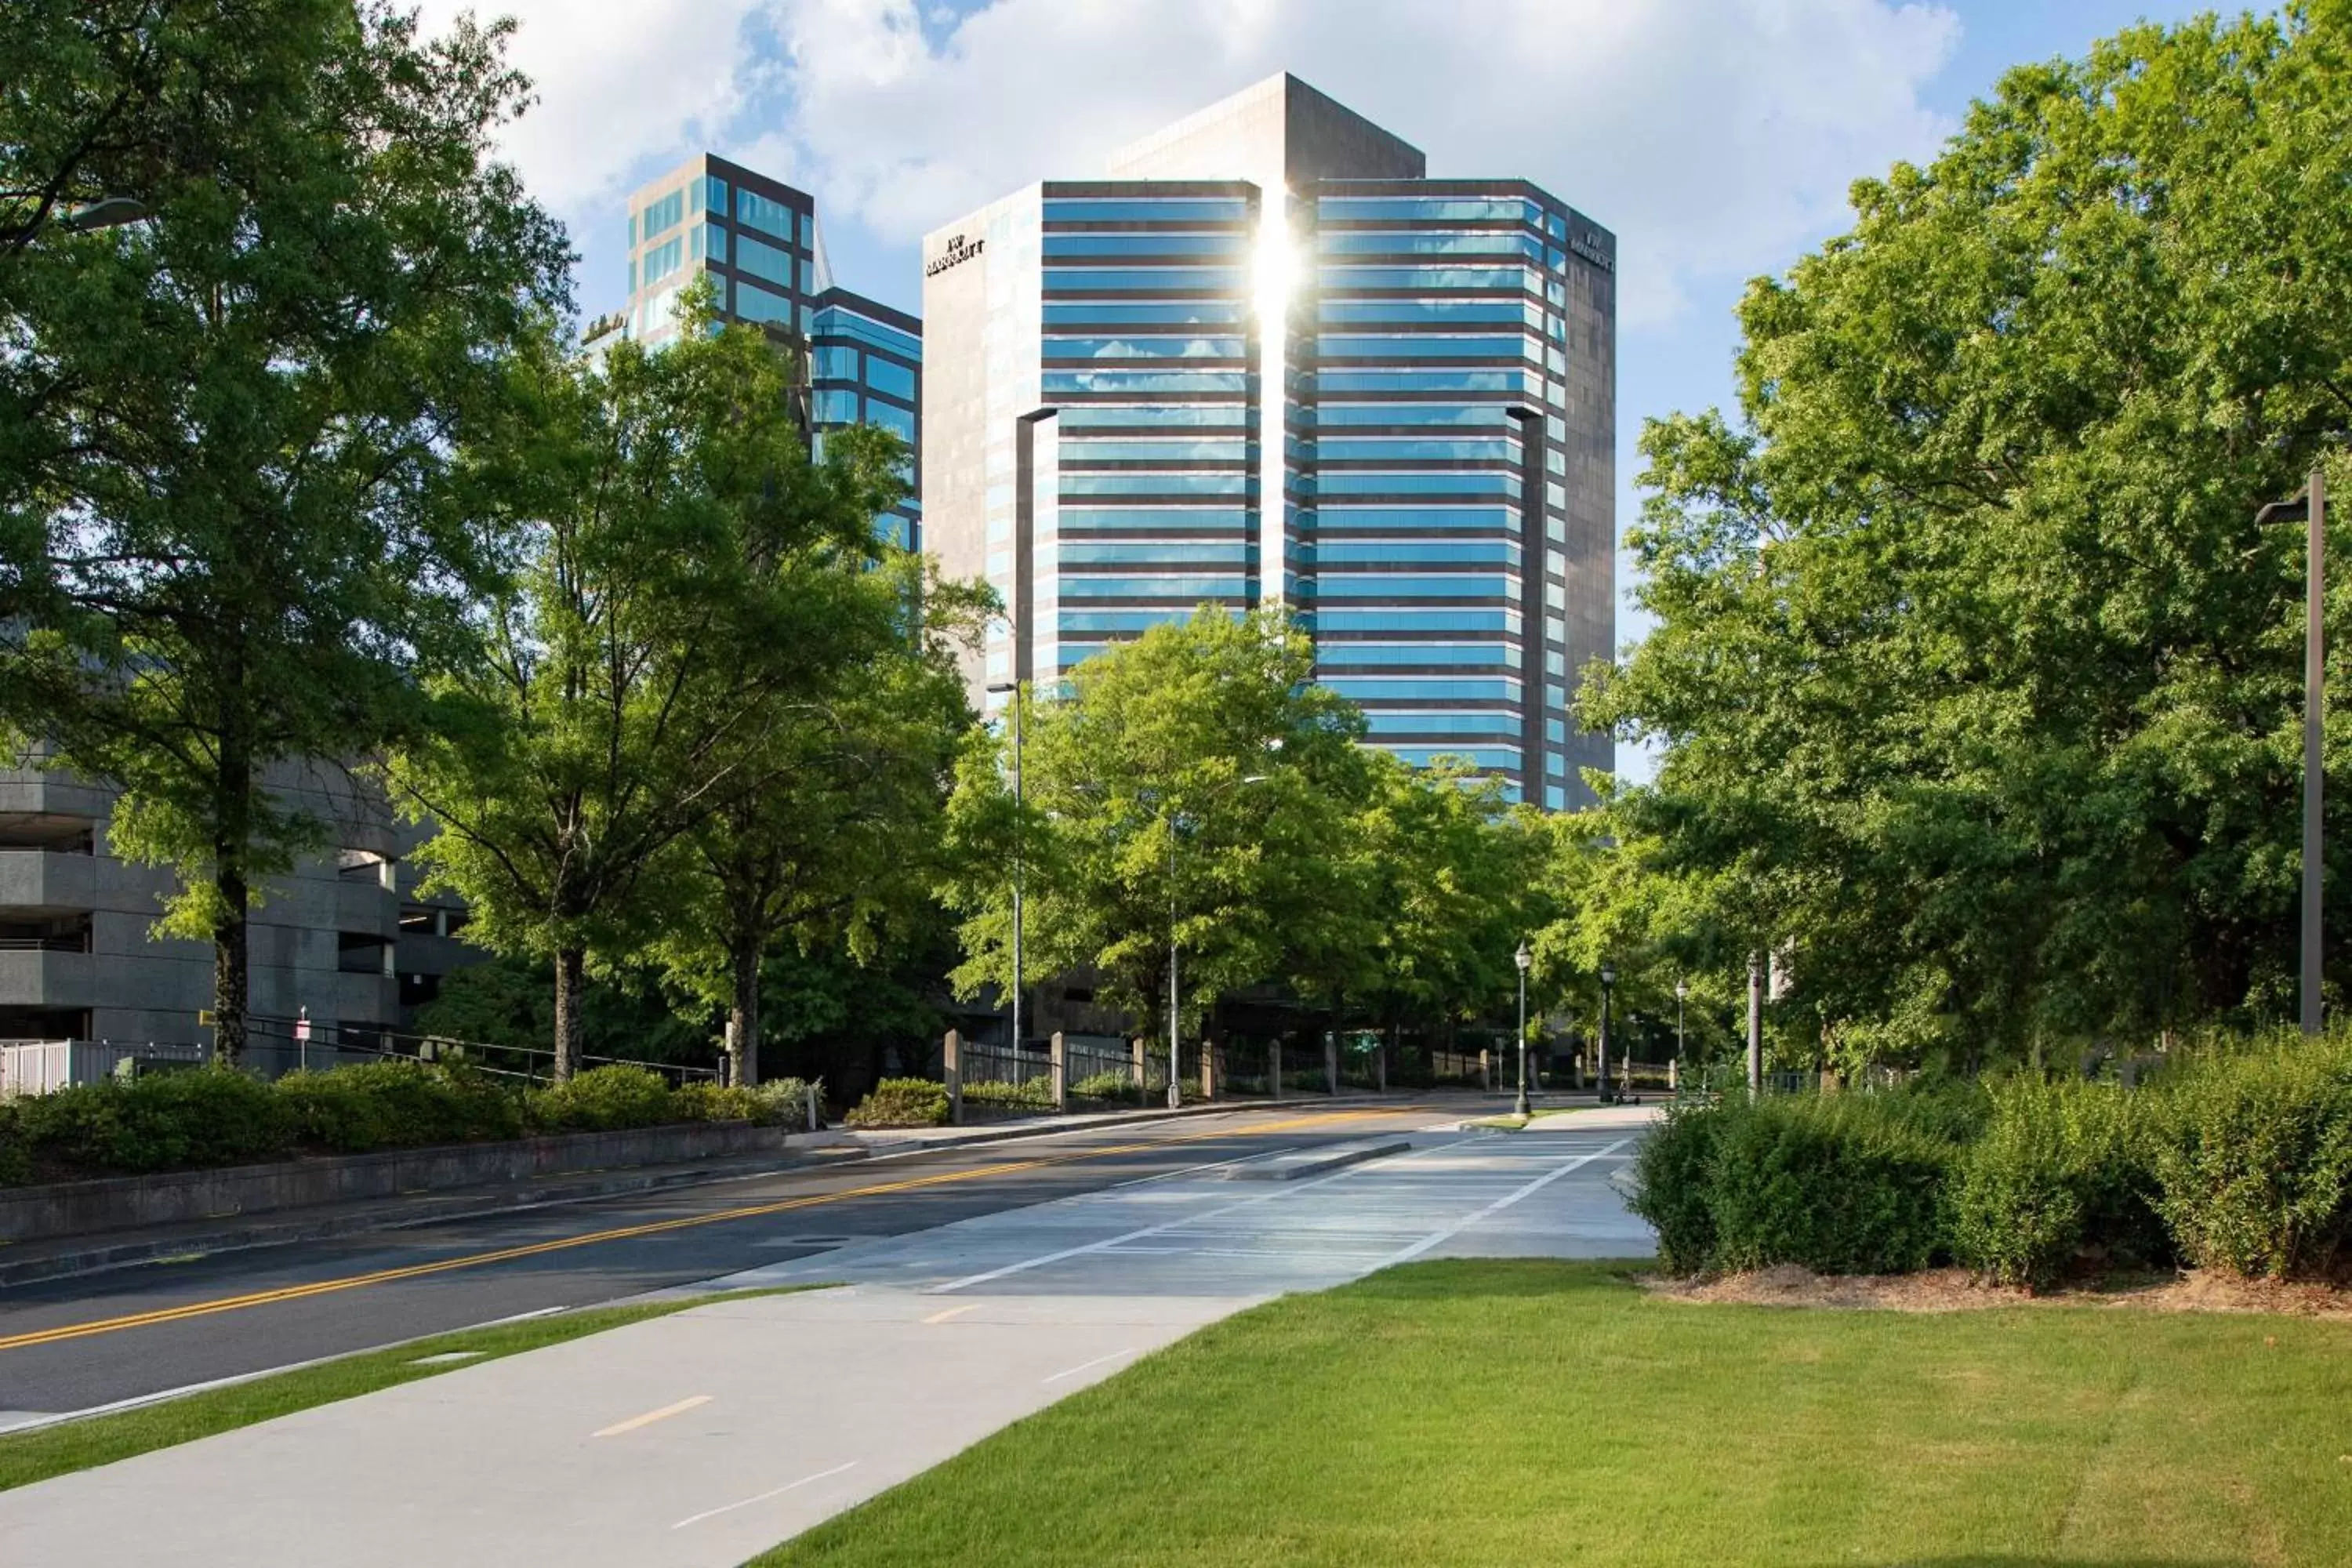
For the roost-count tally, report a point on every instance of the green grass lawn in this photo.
(1530, 1412)
(79, 1445)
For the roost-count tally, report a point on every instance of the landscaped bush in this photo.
(604, 1100)
(783, 1103)
(216, 1117)
(1672, 1179)
(1844, 1184)
(397, 1104)
(2251, 1152)
(2061, 1171)
(902, 1102)
(1036, 1094)
(1104, 1086)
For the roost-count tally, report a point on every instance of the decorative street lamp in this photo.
(1523, 958)
(1682, 995)
(1608, 979)
(1013, 687)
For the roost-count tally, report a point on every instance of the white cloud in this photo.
(618, 85)
(1712, 137)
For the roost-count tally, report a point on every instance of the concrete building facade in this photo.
(1267, 359)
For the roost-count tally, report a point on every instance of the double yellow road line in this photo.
(630, 1232)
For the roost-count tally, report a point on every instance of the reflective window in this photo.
(1105, 416)
(1179, 312)
(754, 303)
(1101, 621)
(1417, 689)
(1430, 551)
(717, 246)
(1414, 653)
(714, 194)
(1401, 586)
(1373, 209)
(1346, 380)
(1476, 756)
(1158, 518)
(1067, 209)
(1426, 346)
(1344, 414)
(1157, 553)
(1499, 242)
(891, 418)
(1499, 448)
(664, 259)
(1204, 484)
(1390, 722)
(1133, 280)
(1362, 518)
(767, 217)
(838, 321)
(1464, 620)
(763, 260)
(1376, 484)
(808, 276)
(1195, 381)
(1351, 311)
(884, 375)
(1231, 243)
(1144, 348)
(1423, 277)
(835, 364)
(661, 215)
(1085, 451)
(833, 407)
(1083, 587)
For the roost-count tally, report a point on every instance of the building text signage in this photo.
(959, 249)
(1591, 252)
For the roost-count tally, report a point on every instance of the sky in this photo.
(1717, 138)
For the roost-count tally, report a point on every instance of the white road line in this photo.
(778, 1492)
(650, 1416)
(1288, 1189)
(1438, 1237)
(1089, 1365)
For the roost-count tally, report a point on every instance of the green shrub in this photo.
(397, 1104)
(714, 1102)
(1036, 1094)
(16, 1156)
(2251, 1152)
(902, 1102)
(603, 1099)
(1673, 1182)
(2062, 1169)
(1844, 1184)
(783, 1103)
(1104, 1086)
(213, 1117)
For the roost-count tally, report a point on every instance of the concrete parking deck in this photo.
(700, 1439)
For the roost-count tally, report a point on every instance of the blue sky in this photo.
(1715, 137)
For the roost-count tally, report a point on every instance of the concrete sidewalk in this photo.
(701, 1438)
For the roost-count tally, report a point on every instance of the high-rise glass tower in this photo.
(1268, 360)
(758, 240)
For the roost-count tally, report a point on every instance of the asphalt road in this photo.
(71, 1344)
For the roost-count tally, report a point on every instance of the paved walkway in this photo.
(699, 1439)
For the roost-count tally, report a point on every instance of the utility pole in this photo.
(1755, 1024)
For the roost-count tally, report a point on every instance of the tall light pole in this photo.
(1020, 832)
(2312, 506)
(1523, 959)
(1682, 995)
(1608, 980)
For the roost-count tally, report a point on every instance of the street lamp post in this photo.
(1523, 959)
(2312, 504)
(1608, 980)
(1682, 995)
(1019, 848)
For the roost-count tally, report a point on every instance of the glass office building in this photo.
(759, 241)
(1269, 361)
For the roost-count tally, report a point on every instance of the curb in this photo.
(100, 1257)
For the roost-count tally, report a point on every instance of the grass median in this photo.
(29, 1456)
(1523, 1411)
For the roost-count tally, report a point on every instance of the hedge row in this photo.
(902, 1102)
(2239, 1161)
(220, 1117)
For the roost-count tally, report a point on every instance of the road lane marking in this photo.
(1438, 1237)
(955, 1312)
(779, 1491)
(650, 1416)
(631, 1232)
(1089, 1365)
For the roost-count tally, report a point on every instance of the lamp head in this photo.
(1682, 990)
(1608, 975)
(1523, 958)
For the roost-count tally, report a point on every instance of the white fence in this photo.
(36, 1066)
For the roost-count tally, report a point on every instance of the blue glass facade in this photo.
(756, 239)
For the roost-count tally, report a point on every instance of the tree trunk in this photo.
(743, 1019)
(232, 823)
(570, 1030)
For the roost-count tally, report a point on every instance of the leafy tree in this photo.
(842, 847)
(1194, 786)
(1977, 679)
(230, 524)
(686, 570)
